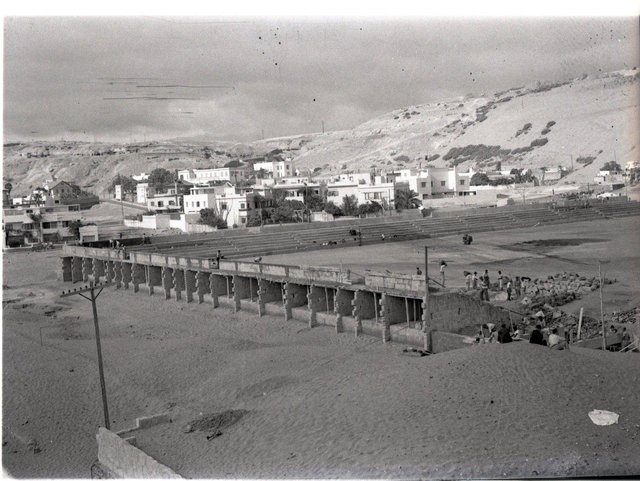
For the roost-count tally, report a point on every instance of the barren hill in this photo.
(582, 123)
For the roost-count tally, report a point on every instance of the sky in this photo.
(120, 79)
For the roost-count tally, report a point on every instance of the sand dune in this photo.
(319, 404)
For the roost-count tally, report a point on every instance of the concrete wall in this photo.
(126, 461)
(453, 311)
(402, 282)
(446, 341)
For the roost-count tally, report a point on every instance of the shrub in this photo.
(539, 142)
(612, 166)
(585, 160)
(524, 129)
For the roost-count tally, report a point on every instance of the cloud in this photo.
(286, 76)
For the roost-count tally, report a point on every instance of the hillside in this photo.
(583, 122)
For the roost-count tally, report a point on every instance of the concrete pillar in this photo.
(386, 309)
(178, 282)
(65, 272)
(268, 292)
(76, 269)
(154, 278)
(363, 308)
(295, 295)
(241, 290)
(98, 269)
(202, 285)
(426, 325)
(317, 301)
(108, 271)
(218, 286)
(138, 276)
(189, 284)
(126, 274)
(87, 268)
(167, 281)
(117, 271)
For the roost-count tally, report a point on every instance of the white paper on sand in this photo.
(603, 418)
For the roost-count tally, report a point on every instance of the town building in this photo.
(38, 224)
(275, 169)
(221, 174)
(143, 192)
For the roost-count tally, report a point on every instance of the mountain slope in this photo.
(583, 122)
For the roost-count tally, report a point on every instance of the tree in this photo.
(349, 205)
(233, 163)
(74, 228)
(315, 203)
(258, 217)
(612, 166)
(212, 218)
(371, 207)
(128, 184)
(161, 178)
(480, 179)
(288, 211)
(407, 199)
(331, 208)
(37, 222)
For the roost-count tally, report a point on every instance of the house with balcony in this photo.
(30, 224)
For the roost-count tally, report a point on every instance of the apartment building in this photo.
(43, 223)
(221, 174)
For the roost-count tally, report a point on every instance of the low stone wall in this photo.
(127, 461)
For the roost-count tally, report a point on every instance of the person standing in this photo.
(486, 278)
(474, 280)
(418, 271)
(499, 280)
(484, 289)
(468, 280)
(443, 266)
(508, 290)
(518, 287)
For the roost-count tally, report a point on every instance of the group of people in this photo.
(483, 282)
(489, 334)
(514, 288)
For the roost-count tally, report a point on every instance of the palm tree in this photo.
(349, 205)
(407, 199)
(37, 222)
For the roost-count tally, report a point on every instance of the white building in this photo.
(336, 191)
(221, 174)
(236, 204)
(169, 201)
(52, 223)
(143, 192)
(276, 169)
(140, 177)
(200, 198)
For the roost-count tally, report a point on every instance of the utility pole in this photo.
(323, 126)
(426, 326)
(604, 338)
(91, 288)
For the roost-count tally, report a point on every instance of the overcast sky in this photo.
(118, 79)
